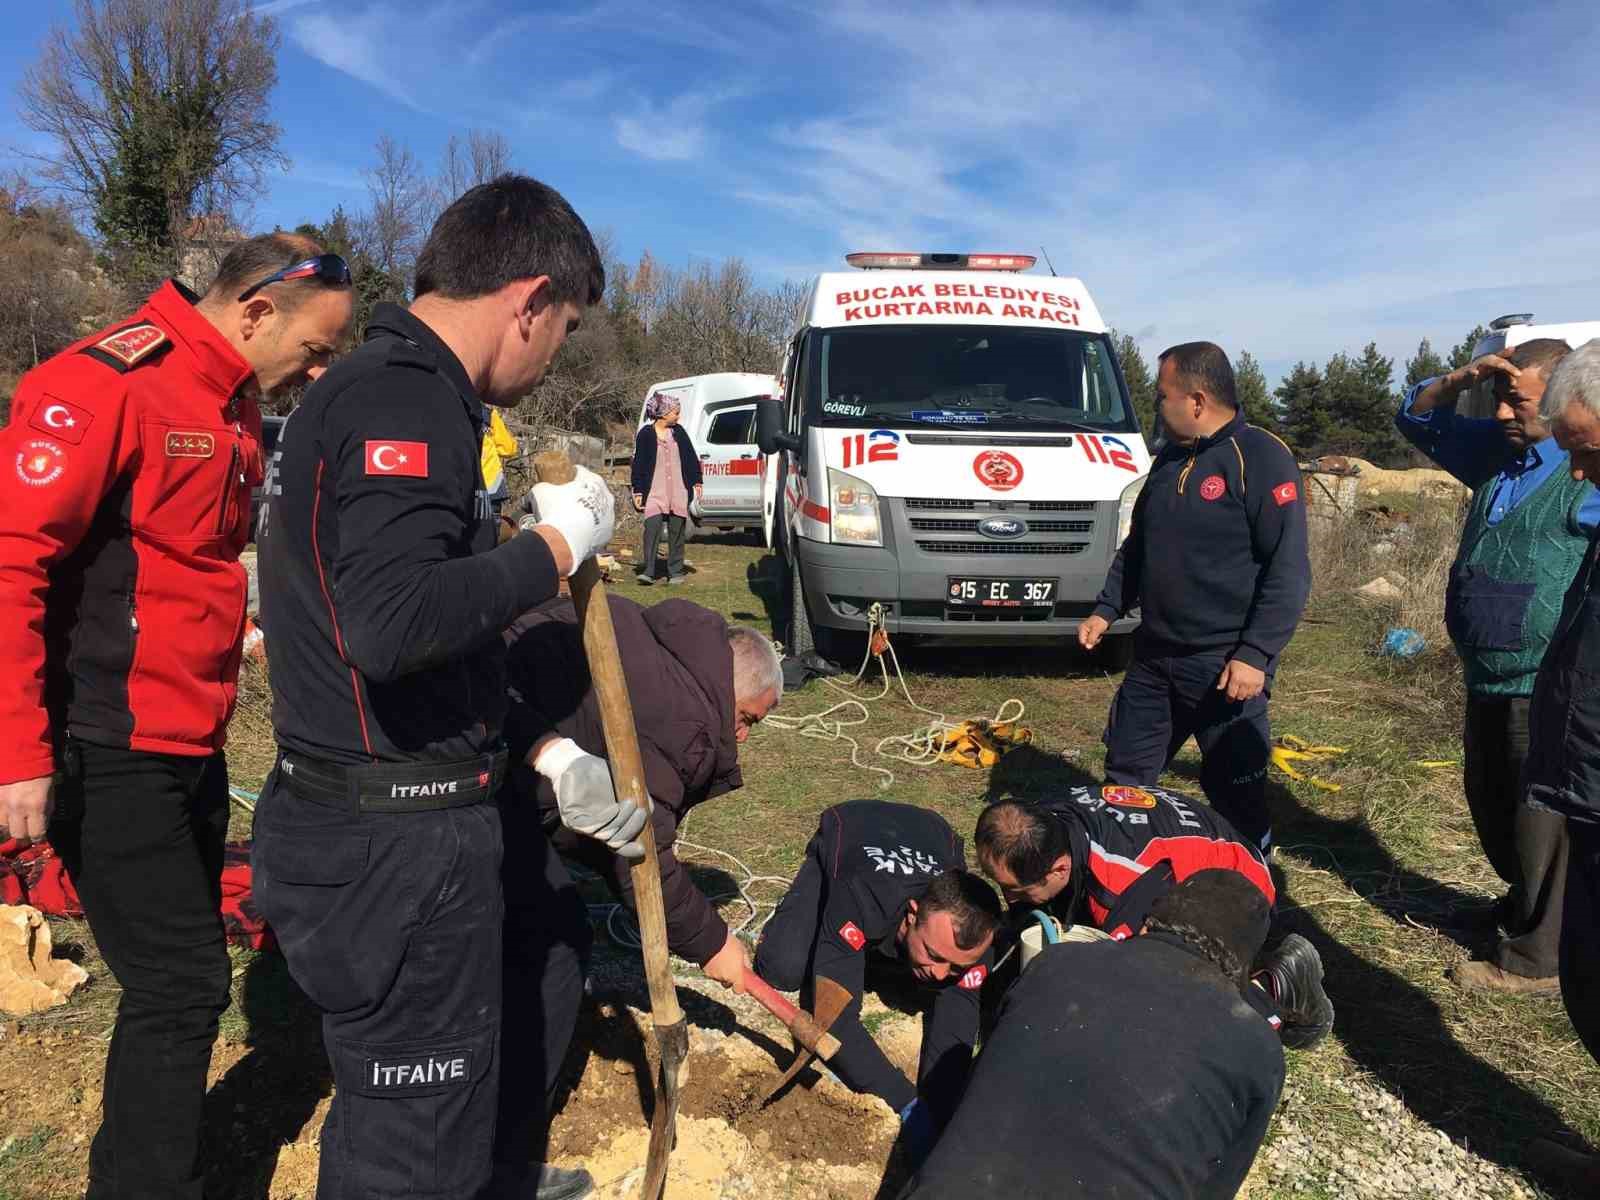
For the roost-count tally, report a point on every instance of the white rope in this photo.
(920, 748)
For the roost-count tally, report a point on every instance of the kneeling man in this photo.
(1102, 856)
(883, 894)
(1156, 1082)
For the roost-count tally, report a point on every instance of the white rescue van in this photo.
(718, 413)
(1507, 333)
(953, 442)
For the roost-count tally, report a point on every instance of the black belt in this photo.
(394, 787)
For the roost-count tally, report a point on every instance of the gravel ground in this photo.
(1396, 1155)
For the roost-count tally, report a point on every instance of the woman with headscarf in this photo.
(665, 470)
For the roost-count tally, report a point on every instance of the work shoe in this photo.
(1292, 976)
(537, 1181)
(677, 578)
(1475, 976)
(1564, 1165)
(643, 578)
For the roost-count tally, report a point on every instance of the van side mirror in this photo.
(770, 435)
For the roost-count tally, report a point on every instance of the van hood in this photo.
(1011, 466)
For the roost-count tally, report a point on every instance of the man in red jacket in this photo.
(125, 479)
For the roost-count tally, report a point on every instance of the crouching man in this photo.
(1103, 856)
(1172, 1080)
(697, 686)
(883, 896)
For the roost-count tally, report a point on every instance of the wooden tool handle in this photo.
(824, 1045)
(622, 753)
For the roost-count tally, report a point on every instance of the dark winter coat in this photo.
(644, 459)
(679, 672)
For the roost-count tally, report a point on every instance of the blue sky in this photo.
(1290, 179)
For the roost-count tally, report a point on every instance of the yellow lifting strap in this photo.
(1290, 750)
(980, 743)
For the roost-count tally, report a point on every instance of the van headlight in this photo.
(1125, 509)
(853, 511)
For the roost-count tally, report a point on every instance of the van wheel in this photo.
(1114, 652)
(802, 638)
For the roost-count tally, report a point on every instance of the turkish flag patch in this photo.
(398, 458)
(1286, 493)
(973, 979)
(852, 935)
(62, 419)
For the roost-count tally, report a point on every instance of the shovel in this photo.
(627, 776)
(831, 1000)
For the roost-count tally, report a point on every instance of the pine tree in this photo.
(1141, 384)
(1360, 406)
(1426, 364)
(1255, 401)
(1305, 417)
(1462, 354)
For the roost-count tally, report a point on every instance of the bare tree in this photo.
(467, 162)
(158, 110)
(392, 228)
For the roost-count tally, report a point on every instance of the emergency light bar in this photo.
(881, 261)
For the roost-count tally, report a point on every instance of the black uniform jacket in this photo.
(1117, 1069)
(1131, 844)
(679, 670)
(876, 857)
(383, 594)
(1216, 558)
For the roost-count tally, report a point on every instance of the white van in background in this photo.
(1509, 332)
(954, 444)
(718, 413)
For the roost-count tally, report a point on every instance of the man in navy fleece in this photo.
(1216, 560)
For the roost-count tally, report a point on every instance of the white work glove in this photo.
(583, 511)
(587, 800)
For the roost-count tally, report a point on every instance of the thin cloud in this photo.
(349, 44)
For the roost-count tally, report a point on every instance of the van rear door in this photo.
(729, 459)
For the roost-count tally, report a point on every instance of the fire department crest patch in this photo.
(40, 463)
(1127, 797)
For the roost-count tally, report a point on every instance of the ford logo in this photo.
(1002, 527)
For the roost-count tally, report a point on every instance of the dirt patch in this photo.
(817, 1140)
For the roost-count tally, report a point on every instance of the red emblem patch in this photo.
(1212, 487)
(1127, 797)
(40, 463)
(398, 458)
(190, 445)
(132, 345)
(853, 936)
(1286, 493)
(997, 470)
(483, 779)
(61, 419)
(973, 979)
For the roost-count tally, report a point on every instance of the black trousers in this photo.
(398, 928)
(1527, 847)
(1580, 934)
(141, 835)
(652, 539)
(1162, 703)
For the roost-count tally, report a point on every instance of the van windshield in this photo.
(993, 377)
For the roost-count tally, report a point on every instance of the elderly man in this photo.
(1562, 772)
(1123, 1068)
(120, 530)
(697, 686)
(1525, 534)
(1216, 561)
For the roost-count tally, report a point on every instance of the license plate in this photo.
(1001, 593)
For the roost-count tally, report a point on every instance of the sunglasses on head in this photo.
(328, 267)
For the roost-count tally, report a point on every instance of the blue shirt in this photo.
(1476, 452)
